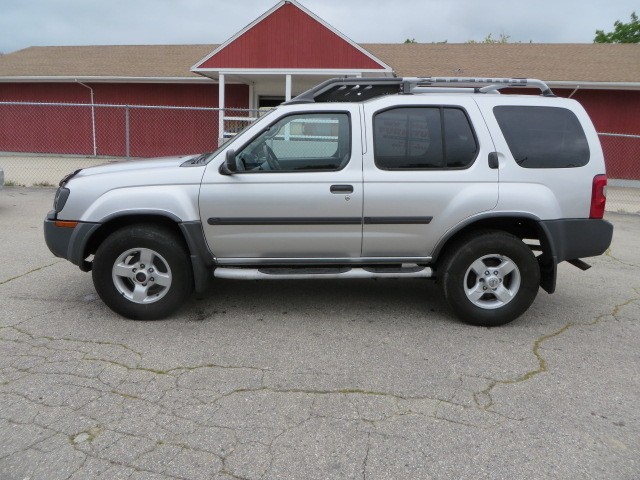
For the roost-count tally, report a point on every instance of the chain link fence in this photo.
(42, 142)
(622, 156)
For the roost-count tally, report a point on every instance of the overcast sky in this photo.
(115, 22)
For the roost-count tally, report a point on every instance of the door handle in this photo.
(341, 189)
(493, 160)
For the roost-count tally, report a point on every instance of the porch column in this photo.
(221, 107)
(287, 88)
(252, 104)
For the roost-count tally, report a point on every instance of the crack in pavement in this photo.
(613, 257)
(30, 271)
(164, 412)
(542, 363)
(366, 458)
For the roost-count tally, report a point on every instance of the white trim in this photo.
(287, 87)
(594, 85)
(241, 119)
(385, 67)
(221, 105)
(291, 71)
(269, 71)
(114, 79)
(252, 89)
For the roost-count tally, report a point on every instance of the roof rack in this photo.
(360, 89)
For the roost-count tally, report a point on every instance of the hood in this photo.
(132, 165)
(136, 173)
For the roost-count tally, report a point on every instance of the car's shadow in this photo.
(338, 298)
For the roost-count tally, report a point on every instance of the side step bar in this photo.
(319, 273)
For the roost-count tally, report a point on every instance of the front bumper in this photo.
(69, 243)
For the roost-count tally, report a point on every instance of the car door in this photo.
(297, 193)
(426, 169)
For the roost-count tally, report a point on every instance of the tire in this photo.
(489, 278)
(143, 272)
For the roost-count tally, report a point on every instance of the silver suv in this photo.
(440, 178)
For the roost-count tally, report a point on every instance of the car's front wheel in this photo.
(143, 272)
(489, 278)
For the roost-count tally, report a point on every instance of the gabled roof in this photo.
(288, 36)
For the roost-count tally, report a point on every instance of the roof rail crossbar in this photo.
(487, 84)
(358, 89)
(337, 90)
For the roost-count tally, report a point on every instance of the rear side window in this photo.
(543, 137)
(423, 138)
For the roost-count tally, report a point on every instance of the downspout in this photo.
(93, 118)
(574, 91)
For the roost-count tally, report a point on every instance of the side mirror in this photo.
(229, 166)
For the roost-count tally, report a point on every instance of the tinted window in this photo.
(420, 138)
(543, 137)
(408, 138)
(313, 141)
(460, 143)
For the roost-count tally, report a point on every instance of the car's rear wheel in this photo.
(143, 272)
(489, 278)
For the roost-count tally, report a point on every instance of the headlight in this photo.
(60, 199)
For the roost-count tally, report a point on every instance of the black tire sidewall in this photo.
(162, 241)
(465, 253)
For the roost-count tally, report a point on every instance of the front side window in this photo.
(423, 138)
(543, 137)
(301, 142)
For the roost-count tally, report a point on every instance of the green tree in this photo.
(413, 40)
(622, 32)
(502, 38)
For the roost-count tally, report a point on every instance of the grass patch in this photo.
(11, 183)
(43, 184)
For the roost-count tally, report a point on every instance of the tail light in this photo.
(598, 196)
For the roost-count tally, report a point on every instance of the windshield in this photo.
(213, 154)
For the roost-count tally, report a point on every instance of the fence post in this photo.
(127, 141)
(93, 126)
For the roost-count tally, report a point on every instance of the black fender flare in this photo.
(548, 261)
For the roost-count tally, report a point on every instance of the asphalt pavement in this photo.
(313, 379)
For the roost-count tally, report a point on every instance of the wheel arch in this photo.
(124, 219)
(522, 225)
(190, 233)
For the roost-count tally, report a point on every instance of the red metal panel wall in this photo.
(614, 111)
(289, 38)
(153, 132)
(68, 130)
(45, 129)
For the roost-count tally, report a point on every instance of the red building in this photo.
(282, 53)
